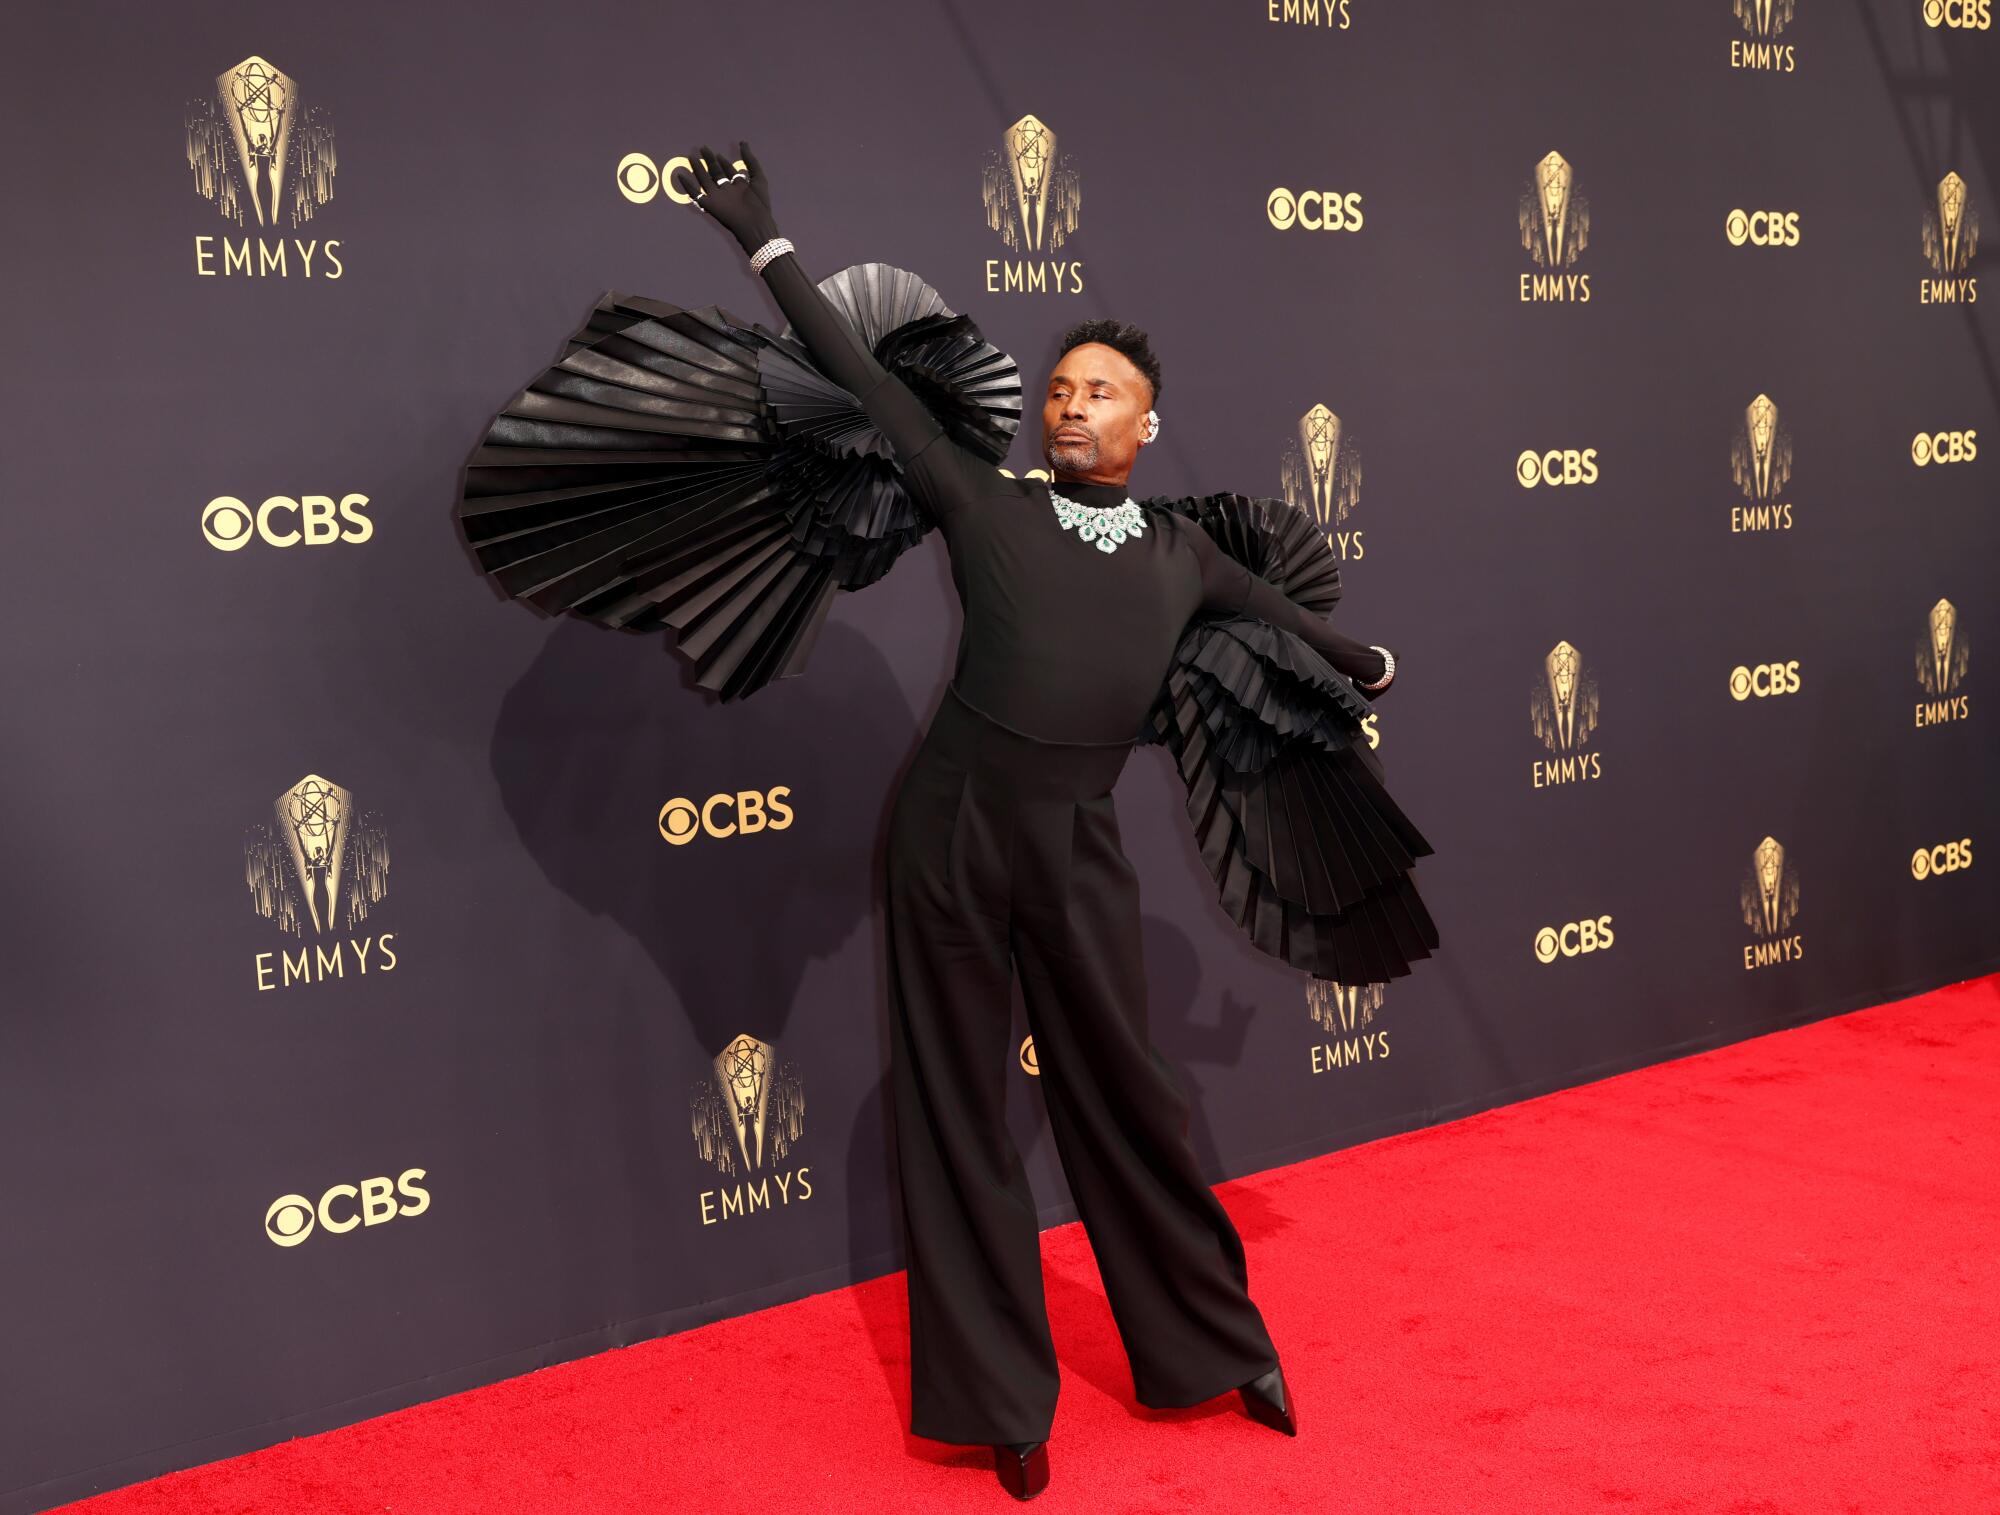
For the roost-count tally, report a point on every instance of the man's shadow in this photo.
(600, 733)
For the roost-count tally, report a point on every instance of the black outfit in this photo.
(1004, 851)
(680, 470)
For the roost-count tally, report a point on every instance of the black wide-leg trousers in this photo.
(1004, 853)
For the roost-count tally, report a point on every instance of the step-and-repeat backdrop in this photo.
(405, 990)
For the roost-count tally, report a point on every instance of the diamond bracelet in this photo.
(777, 247)
(1388, 667)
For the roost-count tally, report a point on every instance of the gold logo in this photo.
(1770, 893)
(229, 524)
(1346, 1012)
(291, 1218)
(1574, 939)
(319, 862)
(1769, 896)
(1762, 228)
(1314, 209)
(1764, 18)
(1951, 230)
(1321, 475)
(1031, 1061)
(1760, 461)
(1943, 657)
(1969, 15)
(1764, 680)
(1555, 229)
(1760, 455)
(1563, 711)
(1941, 447)
(750, 1111)
(1556, 467)
(1946, 857)
(254, 142)
(1555, 219)
(1031, 194)
(1951, 237)
(743, 813)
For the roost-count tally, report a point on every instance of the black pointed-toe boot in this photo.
(1022, 1466)
(1269, 1402)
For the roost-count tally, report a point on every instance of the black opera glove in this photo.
(739, 198)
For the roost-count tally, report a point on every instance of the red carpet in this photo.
(1761, 1280)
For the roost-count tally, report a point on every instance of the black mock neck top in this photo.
(1063, 640)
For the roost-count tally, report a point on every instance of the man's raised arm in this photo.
(740, 200)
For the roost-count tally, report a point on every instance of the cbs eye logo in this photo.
(1764, 680)
(1944, 447)
(281, 521)
(740, 814)
(1314, 209)
(1561, 465)
(1762, 228)
(1967, 15)
(291, 1218)
(1950, 857)
(641, 180)
(1573, 940)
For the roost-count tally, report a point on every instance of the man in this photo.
(1004, 855)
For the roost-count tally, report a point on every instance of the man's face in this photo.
(1093, 414)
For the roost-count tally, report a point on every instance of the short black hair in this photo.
(1119, 336)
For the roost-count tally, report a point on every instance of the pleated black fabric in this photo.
(686, 472)
(683, 471)
(1309, 852)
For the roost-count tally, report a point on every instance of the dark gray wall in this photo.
(542, 1044)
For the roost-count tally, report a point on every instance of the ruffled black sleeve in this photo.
(1289, 803)
(683, 471)
(1229, 585)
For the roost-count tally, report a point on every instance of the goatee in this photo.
(1074, 456)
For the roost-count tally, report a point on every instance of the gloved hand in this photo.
(739, 198)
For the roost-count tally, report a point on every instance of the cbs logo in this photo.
(1968, 15)
(1562, 465)
(681, 821)
(1578, 937)
(281, 521)
(1944, 447)
(1762, 228)
(1314, 209)
(291, 1217)
(641, 180)
(1763, 680)
(1948, 858)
